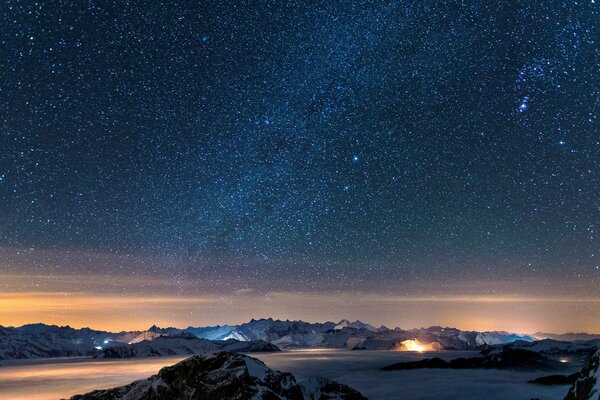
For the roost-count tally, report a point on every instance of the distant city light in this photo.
(415, 345)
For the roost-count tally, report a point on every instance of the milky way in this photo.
(302, 145)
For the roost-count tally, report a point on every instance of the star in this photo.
(524, 105)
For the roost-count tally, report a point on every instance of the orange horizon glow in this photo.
(138, 311)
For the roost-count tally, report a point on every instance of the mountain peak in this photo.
(587, 386)
(224, 376)
(354, 325)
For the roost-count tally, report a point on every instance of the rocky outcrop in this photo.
(587, 386)
(224, 376)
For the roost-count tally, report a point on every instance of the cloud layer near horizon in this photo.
(65, 300)
(133, 292)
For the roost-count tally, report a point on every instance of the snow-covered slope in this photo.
(587, 387)
(224, 376)
(354, 325)
(358, 335)
(218, 332)
(161, 346)
(31, 341)
(40, 341)
(456, 339)
(144, 335)
(283, 334)
(183, 344)
(434, 337)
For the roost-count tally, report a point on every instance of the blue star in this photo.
(524, 104)
(355, 158)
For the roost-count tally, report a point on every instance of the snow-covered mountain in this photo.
(183, 344)
(358, 335)
(431, 338)
(160, 346)
(218, 332)
(164, 331)
(41, 341)
(226, 376)
(587, 386)
(283, 334)
(354, 325)
(456, 339)
(144, 335)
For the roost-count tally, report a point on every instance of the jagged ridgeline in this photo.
(41, 341)
(224, 376)
(587, 386)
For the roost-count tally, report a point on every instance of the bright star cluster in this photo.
(298, 145)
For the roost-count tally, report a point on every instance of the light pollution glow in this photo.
(415, 345)
(138, 310)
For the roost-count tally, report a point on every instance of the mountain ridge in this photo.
(224, 376)
(587, 386)
(44, 341)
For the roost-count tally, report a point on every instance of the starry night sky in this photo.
(279, 145)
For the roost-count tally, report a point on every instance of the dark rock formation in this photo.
(224, 376)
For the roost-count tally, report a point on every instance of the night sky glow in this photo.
(407, 163)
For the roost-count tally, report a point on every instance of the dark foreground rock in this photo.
(587, 386)
(224, 376)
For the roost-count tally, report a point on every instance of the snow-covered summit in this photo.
(284, 334)
(354, 325)
(41, 341)
(223, 376)
(587, 386)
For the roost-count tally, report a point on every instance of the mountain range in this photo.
(183, 344)
(43, 341)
